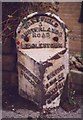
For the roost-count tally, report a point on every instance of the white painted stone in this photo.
(43, 58)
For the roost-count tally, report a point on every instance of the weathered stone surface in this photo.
(8, 62)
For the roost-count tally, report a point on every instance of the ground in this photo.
(15, 106)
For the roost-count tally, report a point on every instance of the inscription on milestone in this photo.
(41, 31)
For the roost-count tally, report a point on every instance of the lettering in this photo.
(48, 20)
(40, 19)
(54, 90)
(55, 72)
(41, 35)
(53, 97)
(51, 83)
(57, 87)
(60, 77)
(43, 28)
(27, 23)
(60, 85)
(29, 73)
(40, 45)
(28, 78)
(39, 30)
(55, 80)
(51, 94)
